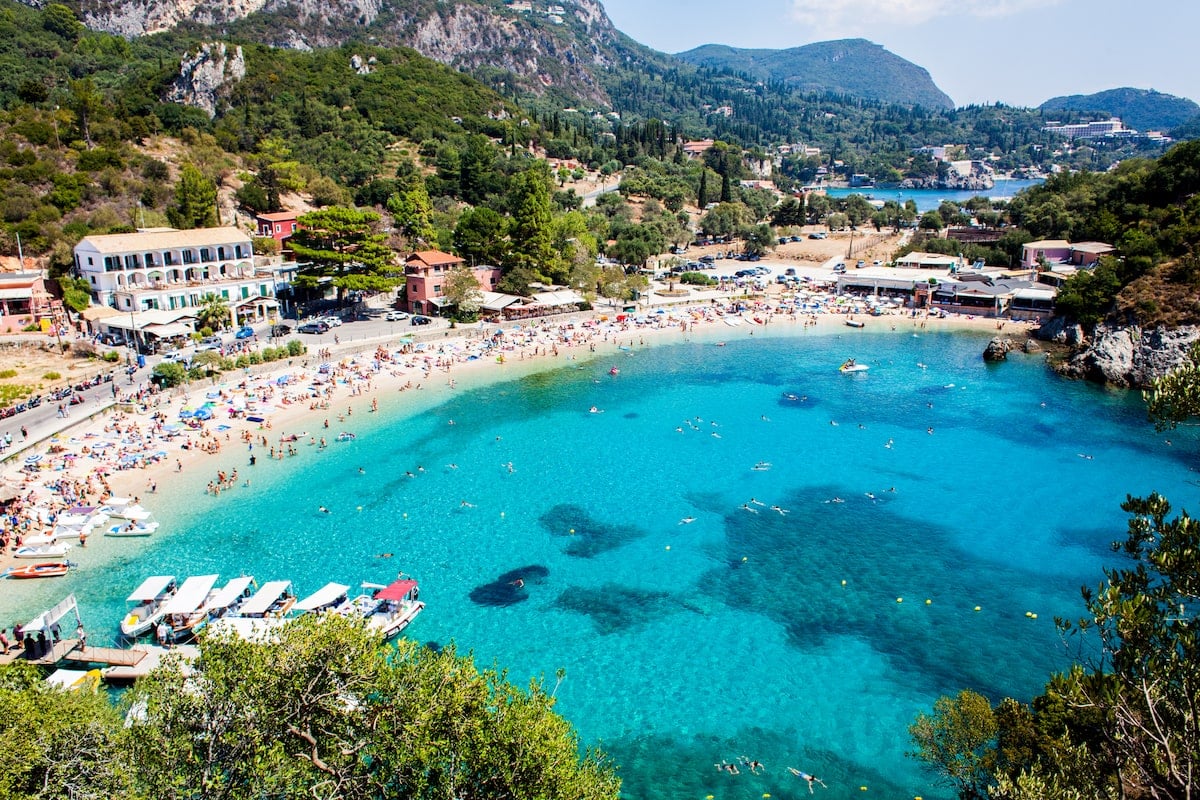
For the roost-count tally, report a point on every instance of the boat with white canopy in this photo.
(148, 600)
(180, 608)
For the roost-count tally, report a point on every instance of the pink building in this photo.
(425, 274)
(278, 225)
(1059, 251)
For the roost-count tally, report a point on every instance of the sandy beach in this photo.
(211, 434)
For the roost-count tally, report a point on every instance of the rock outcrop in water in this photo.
(997, 349)
(1127, 355)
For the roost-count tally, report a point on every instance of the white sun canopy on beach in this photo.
(322, 597)
(151, 588)
(264, 598)
(191, 595)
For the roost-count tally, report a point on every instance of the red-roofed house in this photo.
(425, 274)
(279, 225)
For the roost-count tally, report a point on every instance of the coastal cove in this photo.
(788, 622)
(930, 199)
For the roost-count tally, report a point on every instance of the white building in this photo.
(171, 270)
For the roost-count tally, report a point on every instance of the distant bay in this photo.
(930, 199)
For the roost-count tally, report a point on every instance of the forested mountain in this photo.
(1141, 109)
(854, 67)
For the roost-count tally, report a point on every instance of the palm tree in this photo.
(214, 312)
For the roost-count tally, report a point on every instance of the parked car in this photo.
(395, 316)
(244, 332)
(206, 346)
(331, 320)
(214, 339)
(280, 330)
(111, 339)
(313, 327)
(840, 267)
(420, 320)
(817, 236)
(176, 357)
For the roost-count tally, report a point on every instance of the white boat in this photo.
(43, 551)
(132, 528)
(390, 608)
(115, 506)
(74, 680)
(148, 599)
(260, 615)
(330, 597)
(179, 609)
(274, 599)
(218, 603)
(134, 513)
(851, 365)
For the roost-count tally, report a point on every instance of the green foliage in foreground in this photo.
(1124, 724)
(1175, 397)
(325, 711)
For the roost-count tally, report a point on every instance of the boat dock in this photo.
(56, 653)
(71, 650)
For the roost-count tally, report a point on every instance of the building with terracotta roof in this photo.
(170, 270)
(278, 225)
(425, 273)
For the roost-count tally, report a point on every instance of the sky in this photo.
(1018, 52)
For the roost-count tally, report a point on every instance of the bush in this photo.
(255, 358)
(696, 279)
(11, 392)
(111, 356)
(296, 348)
(49, 376)
(242, 362)
(8, 373)
(169, 374)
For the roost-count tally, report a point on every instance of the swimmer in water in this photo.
(323, 509)
(687, 520)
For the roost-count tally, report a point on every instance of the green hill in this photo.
(1141, 109)
(853, 67)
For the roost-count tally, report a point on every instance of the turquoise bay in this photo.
(686, 644)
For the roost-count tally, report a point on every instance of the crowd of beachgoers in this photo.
(308, 401)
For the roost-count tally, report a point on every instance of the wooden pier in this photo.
(56, 654)
(71, 650)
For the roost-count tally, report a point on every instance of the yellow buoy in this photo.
(502, 513)
(899, 599)
(668, 547)
(862, 788)
(744, 558)
(572, 530)
(1033, 616)
(928, 602)
(1029, 613)
(843, 583)
(406, 515)
(360, 508)
(978, 608)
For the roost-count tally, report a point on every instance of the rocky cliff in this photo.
(1129, 356)
(539, 49)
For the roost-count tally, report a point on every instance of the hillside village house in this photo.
(172, 272)
(277, 225)
(425, 274)
(23, 297)
(1059, 252)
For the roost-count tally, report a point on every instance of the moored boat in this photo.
(854, 323)
(149, 599)
(130, 527)
(50, 569)
(330, 597)
(389, 609)
(75, 680)
(179, 609)
(217, 604)
(259, 615)
(43, 551)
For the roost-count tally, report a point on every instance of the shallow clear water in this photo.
(930, 199)
(686, 644)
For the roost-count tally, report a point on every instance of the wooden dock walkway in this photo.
(110, 656)
(71, 650)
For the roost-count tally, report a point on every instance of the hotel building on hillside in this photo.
(170, 270)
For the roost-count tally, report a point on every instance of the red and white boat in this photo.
(49, 569)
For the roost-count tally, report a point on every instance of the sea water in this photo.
(930, 199)
(808, 635)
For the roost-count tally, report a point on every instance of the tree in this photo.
(530, 231)
(479, 237)
(323, 710)
(462, 290)
(702, 193)
(214, 312)
(724, 219)
(87, 102)
(413, 212)
(76, 293)
(342, 244)
(60, 744)
(1174, 398)
(955, 742)
(61, 21)
(1147, 678)
(195, 201)
(932, 221)
(169, 374)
